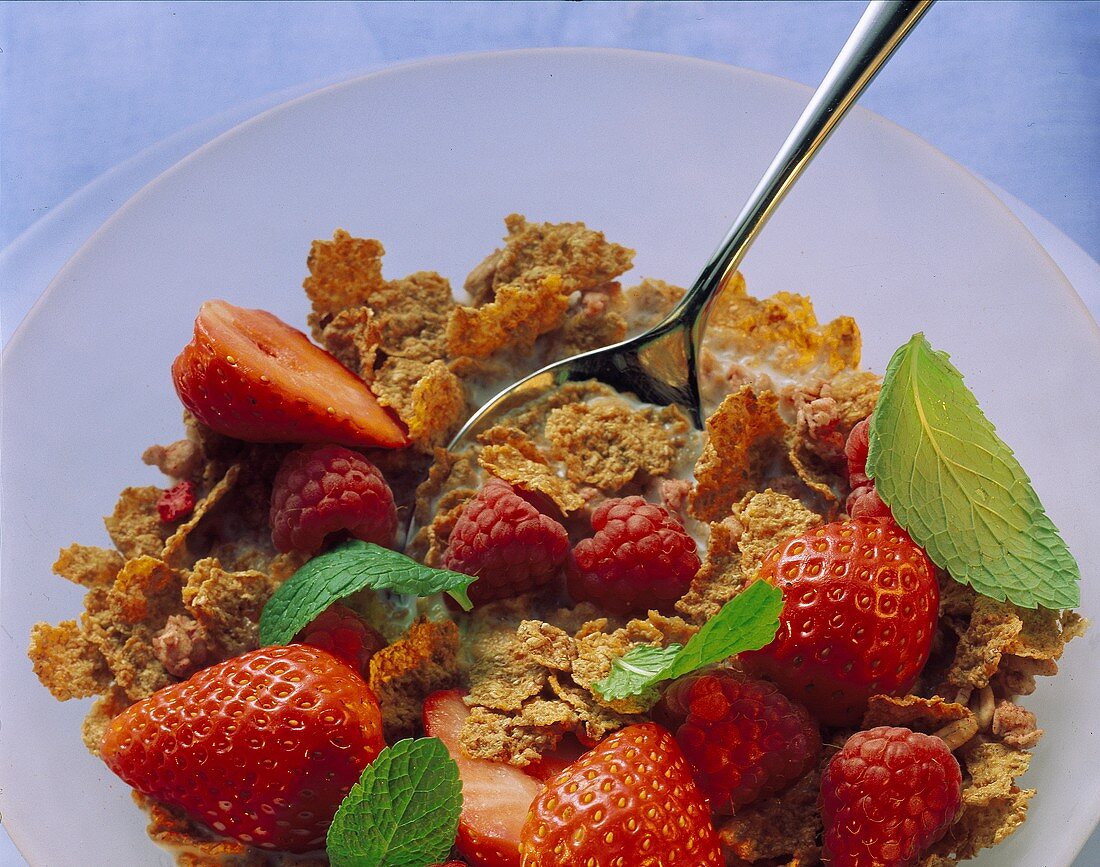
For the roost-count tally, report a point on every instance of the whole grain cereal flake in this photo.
(583, 257)
(607, 444)
(518, 315)
(745, 439)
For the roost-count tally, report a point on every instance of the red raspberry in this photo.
(742, 737)
(640, 558)
(323, 489)
(345, 635)
(886, 796)
(863, 501)
(177, 502)
(507, 543)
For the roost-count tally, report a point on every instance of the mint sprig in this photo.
(957, 488)
(403, 812)
(747, 622)
(348, 569)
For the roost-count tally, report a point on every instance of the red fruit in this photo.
(629, 801)
(261, 748)
(860, 602)
(176, 502)
(889, 794)
(345, 635)
(495, 796)
(249, 375)
(323, 489)
(863, 501)
(640, 558)
(506, 543)
(742, 737)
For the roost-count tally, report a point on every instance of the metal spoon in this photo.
(659, 366)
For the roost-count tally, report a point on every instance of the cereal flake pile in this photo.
(172, 597)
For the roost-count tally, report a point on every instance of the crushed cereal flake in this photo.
(518, 314)
(67, 661)
(135, 526)
(745, 437)
(926, 715)
(428, 398)
(403, 674)
(782, 332)
(88, 565)
(520, 738)
(534, 475)
(607, 444)
(584, 258)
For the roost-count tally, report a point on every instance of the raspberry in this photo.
(177, 502)
(640, 558)
(863, 501)
(886, 796)
(345, 635)
(507, 543)
(323, 489)
(742, 737)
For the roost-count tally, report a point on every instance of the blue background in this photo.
(1009, 89)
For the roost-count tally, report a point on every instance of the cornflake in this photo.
(607, 444)
(744, 436)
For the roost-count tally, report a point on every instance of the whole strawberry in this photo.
(860, 601)
(507, 543)
(742, 737)
(323, 489)
(631, 801)
(639, 558)
(249, 375)
(261, 748)
(889, 794)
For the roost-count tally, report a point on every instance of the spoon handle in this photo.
(881, 29)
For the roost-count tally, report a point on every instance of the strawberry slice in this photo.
(495, 796)
(249, 375)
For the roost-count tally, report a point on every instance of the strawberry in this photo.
(629, 801)
(249, 375)
(886, 796)
(860, 601)
(495, 796)
(261, 748)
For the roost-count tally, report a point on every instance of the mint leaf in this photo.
(747, 622)
(403, 812)
(342, 571)
(958, 490)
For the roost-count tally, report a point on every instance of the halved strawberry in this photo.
(495, 796)
(249, 375)
(261, 748)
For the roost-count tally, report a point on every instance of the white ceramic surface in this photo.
(656, 151)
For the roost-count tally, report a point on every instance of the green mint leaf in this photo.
(747, 622)
(347, 569)
(957, 488)
(403, 812)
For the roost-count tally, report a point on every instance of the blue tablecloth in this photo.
(1009, 89)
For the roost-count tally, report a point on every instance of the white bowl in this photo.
(659, 152)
